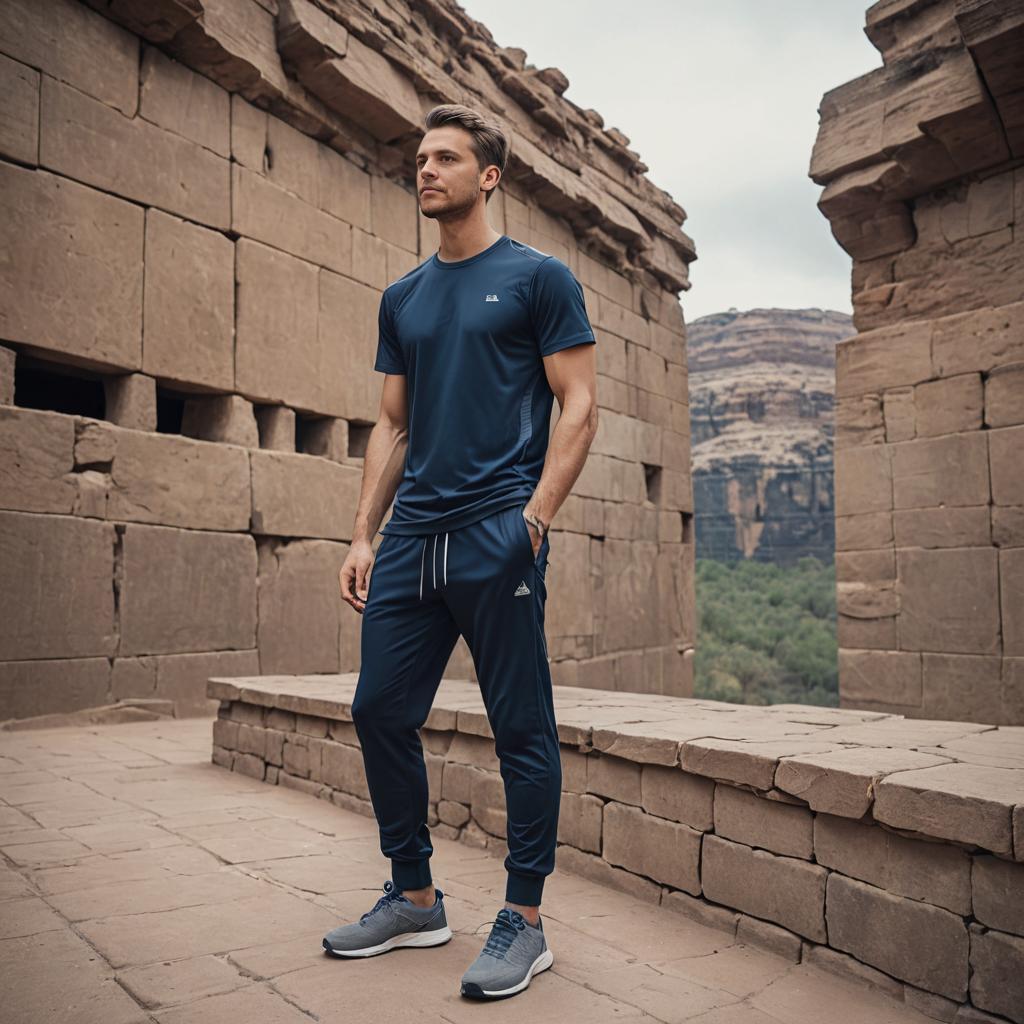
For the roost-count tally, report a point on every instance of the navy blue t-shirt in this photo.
(469, 336)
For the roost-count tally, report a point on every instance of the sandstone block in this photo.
(949, 406)
(662, 850)
(187, 591)
(700, 910)
(614, 778)
(249, 765)
(574, 770)
(744, 762)
(162, 478)
(570, 609)
(50, 618)
(865, 566)
(997, 973)
(19, 122)
(36, 461)
(228, 419)
(869, 530)
(863, 480)
(967, 803)
(998, 888)
(182, 678)
(964, 686)
(785, 890)
(885, 677)
(1011, 590)
(75, 45)
(950, 470)
(1005, 446)
(913, 941)
(884, 358)
(842, 781)
(325, 436)
(747, 818)
(900, 414)
(677, 795)
(579, 821)
(473, 750)
(299, 606)
(284, 721)
(344, 191)
(247, 714)
(131, 401)
(189, 303)
(457, 782)
(7, 361)
(752, 931)
(303, 496)
(487, 800)
(225, 733)
(597, 869)
(75, 272)
(342, 768)
(248, 134)
(934, 873)
(85, 140)
(942, 527)
(276, 424)
(268, 213)
(176, 98)
(47, 687)
(937, 617)
(1004, 396)
(979, 339)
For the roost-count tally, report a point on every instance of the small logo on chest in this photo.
(491, 298)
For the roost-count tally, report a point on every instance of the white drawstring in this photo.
(445, 567)
(422, 563)
(433, 563)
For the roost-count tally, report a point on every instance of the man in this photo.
(475, 343)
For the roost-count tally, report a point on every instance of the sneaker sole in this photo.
(436, 937)
(542, 963)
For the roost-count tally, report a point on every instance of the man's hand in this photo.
(355, 574)
(535, 538)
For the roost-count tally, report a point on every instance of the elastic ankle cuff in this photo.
(410, 874)
(526, 890)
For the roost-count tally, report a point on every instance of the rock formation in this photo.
(200, 203)
(922, 163)
(761, 426)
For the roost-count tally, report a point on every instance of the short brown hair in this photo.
(487, 140)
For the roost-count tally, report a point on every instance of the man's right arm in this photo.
(384, 461)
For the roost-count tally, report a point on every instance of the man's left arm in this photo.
(572, 376)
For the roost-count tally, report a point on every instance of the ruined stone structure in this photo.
(200, 203)
(762, 426)
(923, 166)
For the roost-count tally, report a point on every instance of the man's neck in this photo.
(462, 241)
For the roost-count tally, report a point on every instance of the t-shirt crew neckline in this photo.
(451, 265)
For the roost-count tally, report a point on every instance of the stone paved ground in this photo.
(142, 883)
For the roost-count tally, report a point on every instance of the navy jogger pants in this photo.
(481, 581)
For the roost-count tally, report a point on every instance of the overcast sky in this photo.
(720, 99)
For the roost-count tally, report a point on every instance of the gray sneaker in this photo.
(394, 921)
(514, 952)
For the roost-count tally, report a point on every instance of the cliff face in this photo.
(761, 417)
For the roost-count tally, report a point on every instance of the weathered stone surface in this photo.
(579, 821)
(964, 802)
(73, 44)
(44, 686)
(615, 778)
(910, 940)
(933, 873)
(51, 619)
(949, 470)
(189, 301)
(302, 496)
(36, 461)
(785, 890)
(131, 401)
(651, 846)
(997, 972)
(843, 781)
(739, 761)
(75, 285)
(19, 121)
(228, 419)
(998, 891)
(83, 139)
(1004, 396)
(747, 818)
(678, 796)
(276, 426)
(164, 609)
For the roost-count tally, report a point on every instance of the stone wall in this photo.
(200, 203)
(882, 848)
(923, 166)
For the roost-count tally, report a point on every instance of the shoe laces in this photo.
(507, 925)
(391, 896)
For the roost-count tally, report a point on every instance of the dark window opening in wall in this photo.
(687, 518)
(170, 407)
(652, 477)
(358, 436)
(309, 431)
(57, 388)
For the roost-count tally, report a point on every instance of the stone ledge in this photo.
(956, 781)
(797, 829)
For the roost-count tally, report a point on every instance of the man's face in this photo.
(448, 177)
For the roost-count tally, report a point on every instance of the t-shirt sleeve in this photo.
(389, 352)
(557, 308)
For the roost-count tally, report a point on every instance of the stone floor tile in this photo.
(181, 981)
(28, 916)
(43, 854)
(137, 939)
(121, 836)
(259, 840)
(737, 969)
(54, 977)
(245, 1006)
